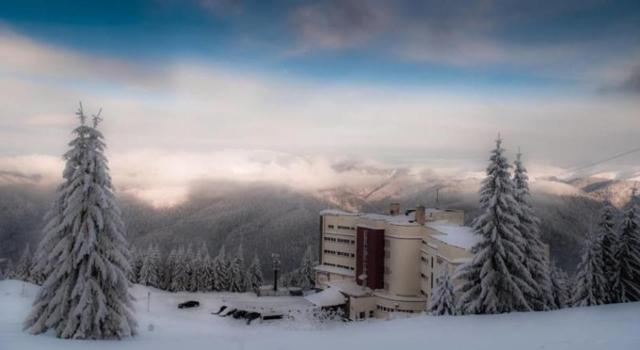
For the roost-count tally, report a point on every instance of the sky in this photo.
(287, 91)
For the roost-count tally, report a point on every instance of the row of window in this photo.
(388, 309)
(339, 240)
(338, 265)
(343, 227)
(328, 251)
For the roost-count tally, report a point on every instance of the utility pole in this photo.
(275, 261)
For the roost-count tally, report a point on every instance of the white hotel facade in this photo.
(390, 262)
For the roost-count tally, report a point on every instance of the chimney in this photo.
(394, 209)
(420, 215)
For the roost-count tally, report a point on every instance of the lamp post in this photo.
(275, 261)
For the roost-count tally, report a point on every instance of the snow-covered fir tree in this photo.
(204, 270)
(496, 280)
(179, 276)
(560, 287)
(237, 282)
(192, 261)
(443, 297)
(168, 268)
(23, 269)
(609, 242)
(254, 277)
(629, 257)
(222, 275)
(535, 257)
(85, 294)
(9, 270)
(149, 273)
(591, 283)
(306, 272)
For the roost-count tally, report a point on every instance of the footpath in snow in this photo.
(167, 328)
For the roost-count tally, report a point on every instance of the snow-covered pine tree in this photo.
(168, 268)
(560, 287)
(254, 275)
(629, 257)
(496, 280)
(443, 297)
(9, 270)
(535, 256)
(204, 274)
(306, 272)
(609, 241)
(191, 263)
(149, 271)
(222, 275)
(180, 277)
(85, 294)
(591, 284)
(23, 269)
(238, 283)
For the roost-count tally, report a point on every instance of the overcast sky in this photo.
(284, 90)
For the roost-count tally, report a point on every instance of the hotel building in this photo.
(390, 262)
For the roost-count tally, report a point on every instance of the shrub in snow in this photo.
(629, 257)
(443, 297)
(591, 284)
(535, 257)
(496, 280)
(85, 293)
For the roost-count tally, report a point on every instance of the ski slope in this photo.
(605, 327)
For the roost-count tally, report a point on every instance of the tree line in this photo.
(510, 269)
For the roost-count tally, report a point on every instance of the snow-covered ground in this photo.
(604, 327)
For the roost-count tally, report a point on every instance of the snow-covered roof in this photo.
(392, 219)
(348, 287)
(455, 235)
(327, 297)
(336, 270)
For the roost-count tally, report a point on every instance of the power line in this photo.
(619, 155)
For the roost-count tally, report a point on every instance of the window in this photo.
(371, 313)
(363, 315)
(331, 226)
(431, 262)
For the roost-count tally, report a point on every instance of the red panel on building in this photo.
(370, 257)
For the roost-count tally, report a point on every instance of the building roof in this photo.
(401, 219)
(336, 270)
(455, 235)
(349, 287)
(327, 297)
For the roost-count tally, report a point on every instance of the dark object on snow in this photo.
(273, 317)
(188, 304)
(239, 314)
(297, 292)
(228, 313)
(251, 316)
(222, 308)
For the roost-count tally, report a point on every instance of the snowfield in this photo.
(166, 327)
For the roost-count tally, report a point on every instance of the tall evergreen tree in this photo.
(85, 294)
(23, 269)
(204, 272)
(149, 273)
(254, 275)
(180, 276)
(609, 242)
(496, 280)
(222, 272)
(443, 297)
(191, 263)
(238, 283)
(535, 256)
(306, 273)
(591, 284)
(560, 287)
(169, 266)
(629, 257)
